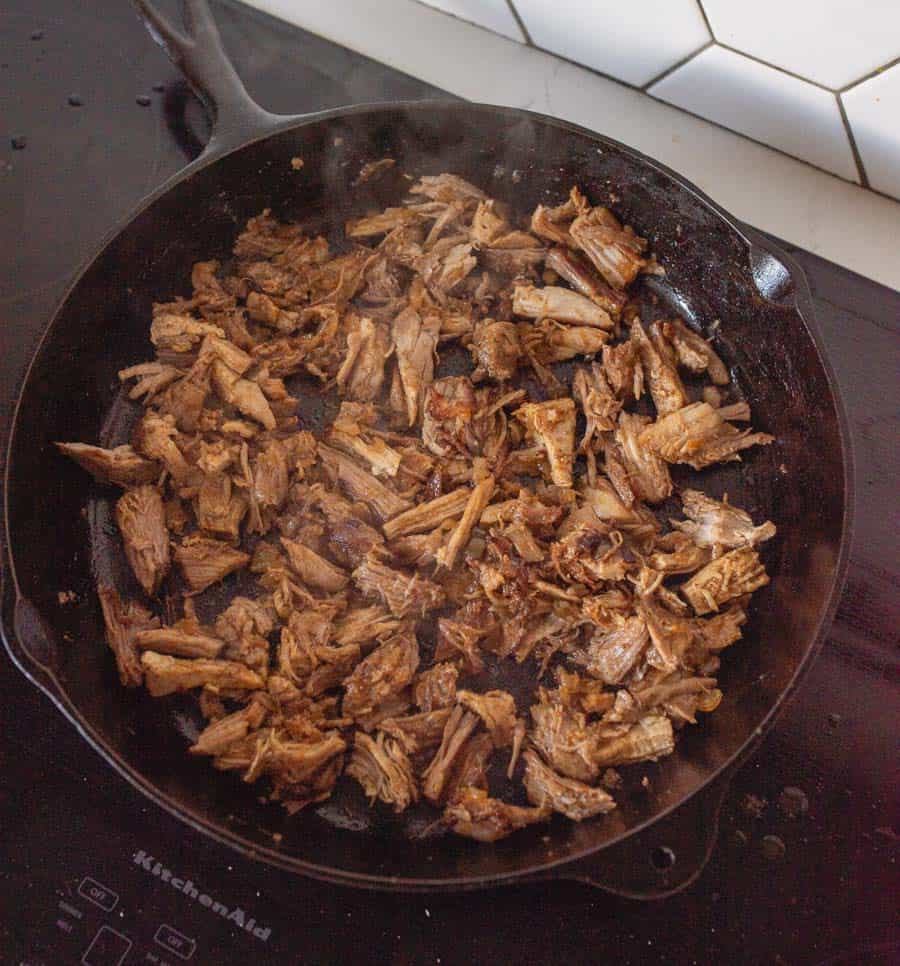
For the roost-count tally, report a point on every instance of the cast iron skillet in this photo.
(715, 270)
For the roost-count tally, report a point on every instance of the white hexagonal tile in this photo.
(830, 42)
(873, 108)
(763, 103)
(493, 14)
(634, 41)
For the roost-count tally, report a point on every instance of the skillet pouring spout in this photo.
(60, 534)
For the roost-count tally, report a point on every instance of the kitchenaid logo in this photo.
(187, 888)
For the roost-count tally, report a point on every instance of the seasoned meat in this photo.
(362, 486)
(120, 465)
(734, 574)
(659, 370)
(381, 766)
(361, 374)
(497, 710)
(141, 519)
(615, 251)
(496, 350)
(164, 674)
(712, 523)
(561, 304)
(384, 673)
(124, 620)
(179, 642)
(565, 740)
(312, 569)
(548, 341)
(552, 424)
(204, 561)
(417, 733)
(700, 436)
(479, 497)
(613, 653)
(474, 814)
(647, 739)
(405, 595)
(572, 798)
(647, 474)
(436, 687)
(573, 269)
(415, 345)
(428, 516)
(460, 725)
(694, 353)
(379, 435)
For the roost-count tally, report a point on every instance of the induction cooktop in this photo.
(800, 864)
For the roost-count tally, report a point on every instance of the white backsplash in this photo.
(816, 79)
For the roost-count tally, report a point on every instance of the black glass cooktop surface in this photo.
(92, 116)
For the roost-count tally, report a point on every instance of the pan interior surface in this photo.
(61, 532)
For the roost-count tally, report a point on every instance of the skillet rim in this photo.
(44, 679)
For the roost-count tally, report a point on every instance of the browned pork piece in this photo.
(479, 497)
(415, 345)
(418, 531)
(615, 251)
(612, 654)
(120, 465)
(164, 674)
(427, 516)
(572, 798)
(405, 594)
(648, 739)
(734, 574)
(646, 474)
(141, 519)
(565, 740)
(474, 814)
(659, 370)
(205, 562)
(381, 766)
(558, 303)
(548, 341)
(700, 436)
(436, 687)
(573, 269)
(417, 733)
(383, 674)
(362, 486)
(124, 620)
(693, 352)
(220, 735)
(496, 349)
(552, 424)
(459, 727)
(312, 569)
(497, 710)
(712, 523)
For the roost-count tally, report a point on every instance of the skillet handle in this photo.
(665, 858)
(197, 51)
(29, 643)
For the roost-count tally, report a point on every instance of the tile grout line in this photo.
(771, 147)
(781, 70)
(681, 63)
(867, 77)
(854, 149)
(706, 19)
(521, 23)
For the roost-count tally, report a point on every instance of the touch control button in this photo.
(174, 942)
(96, 892)
(108, 948)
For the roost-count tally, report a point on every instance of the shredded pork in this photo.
(437, 517)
